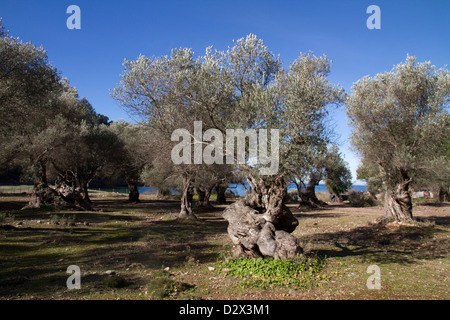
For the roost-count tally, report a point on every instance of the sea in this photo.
(238, 189)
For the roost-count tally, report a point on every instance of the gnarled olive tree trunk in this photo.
(68, 188)
(443, 194)
(204, 193)
(85, 191)
(308, 195)
(398, 202)
(66, 194)
(260, 224)
(221, 197)
(133, 192)
(42, 194)
(187, 211)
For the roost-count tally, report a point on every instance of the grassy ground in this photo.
(142, 251)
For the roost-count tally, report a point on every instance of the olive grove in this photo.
(244, 87)
(209, 120)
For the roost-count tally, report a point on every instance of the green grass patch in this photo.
(267, 272)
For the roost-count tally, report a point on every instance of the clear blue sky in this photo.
(91, 58)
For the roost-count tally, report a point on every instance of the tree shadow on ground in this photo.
(138, 237)
(385, 243)
(318, 215)
(434, 204)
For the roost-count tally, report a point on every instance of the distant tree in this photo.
(92, 117)
(321, 163)
(436, 175)
(137, 152)
(370, 173)
(400, 118)
(169, 93)
(310, 169)
(210, 177)
(338, 175)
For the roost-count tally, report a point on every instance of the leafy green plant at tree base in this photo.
(268, 272)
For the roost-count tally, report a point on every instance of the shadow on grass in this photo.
(384, 244)
(34, 257)
(318, 215)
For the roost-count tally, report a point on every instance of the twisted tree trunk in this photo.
(221, 198)
(204, 193)
(308, 195)
(398, 202)
(66, 194)
(133, 192)
(443, 194)
(85, 190)
(42, 194)
(186, 211)
(69, 190)
(260, 224)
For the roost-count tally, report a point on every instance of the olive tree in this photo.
(42, 123)
(27, 84)
(137, 151)
(400, 118)
(244, 87)
(34, 103)
(90, 151)
(169, 93)
(338, 175)
(310, 169)
(294, 103)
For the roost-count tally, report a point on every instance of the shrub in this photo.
(360, 200)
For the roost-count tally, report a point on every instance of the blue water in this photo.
(240, 190)
(237, 189)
